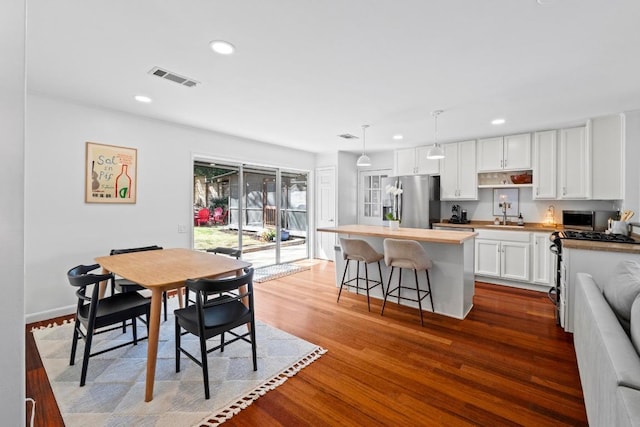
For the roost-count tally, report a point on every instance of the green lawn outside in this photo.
(212, 237)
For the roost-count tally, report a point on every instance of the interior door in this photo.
(370, 196)
(325, 211)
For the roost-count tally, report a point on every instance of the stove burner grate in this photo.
(597, 236)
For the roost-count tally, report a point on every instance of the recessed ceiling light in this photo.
(498, 121)
(142, 98)
(222, 47)
(398, 137)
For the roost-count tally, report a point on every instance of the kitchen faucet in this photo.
(504, 205)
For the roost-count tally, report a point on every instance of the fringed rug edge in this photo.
(277, 380)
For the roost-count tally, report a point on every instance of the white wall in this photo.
(63, 231)
(532, 210)
(347, 188)
(12, 84)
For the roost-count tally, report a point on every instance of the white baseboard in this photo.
(49, 314)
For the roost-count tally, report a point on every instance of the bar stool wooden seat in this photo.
(360, 251)
(407, 254)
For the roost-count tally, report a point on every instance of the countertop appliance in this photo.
(458, 215)
(587, 220)
(419, 204)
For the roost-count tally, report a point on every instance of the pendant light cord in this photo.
(364, 128)
(435, 115)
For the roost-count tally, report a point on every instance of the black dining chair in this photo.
(93, 313)
(213, 317)
(236, 253)
(124, 285)
(233, 253)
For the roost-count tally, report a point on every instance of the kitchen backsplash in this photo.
(532, 210)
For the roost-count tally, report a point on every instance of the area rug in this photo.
(114, 392)
(275, 271)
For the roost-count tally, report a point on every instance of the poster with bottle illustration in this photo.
(110, 174)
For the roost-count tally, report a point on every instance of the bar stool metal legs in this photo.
(360, 251)
(358, 278)
(420, 294)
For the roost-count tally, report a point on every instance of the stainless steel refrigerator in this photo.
(419, 204)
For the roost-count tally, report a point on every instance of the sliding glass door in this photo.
(261, 211)
(294, 216)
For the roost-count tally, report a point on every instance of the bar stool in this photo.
(407, 254)
(360, 251)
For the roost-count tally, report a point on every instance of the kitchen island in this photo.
(452, 253)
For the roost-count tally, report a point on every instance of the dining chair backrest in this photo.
(236, 253)
(205, 287)
(78, 276)
(140, 249)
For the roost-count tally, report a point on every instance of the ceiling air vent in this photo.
(165, 74)
(348, 136)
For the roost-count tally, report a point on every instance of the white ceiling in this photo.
(305, 71)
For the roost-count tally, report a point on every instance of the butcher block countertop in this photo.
(602, 246)
(419, 234)
(489, 225)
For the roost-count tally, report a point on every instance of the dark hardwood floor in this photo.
(507, 363)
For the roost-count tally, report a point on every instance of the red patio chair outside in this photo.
(203, 217)
(219, 216)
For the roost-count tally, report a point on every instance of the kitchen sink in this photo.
(505, 226)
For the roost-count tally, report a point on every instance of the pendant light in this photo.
(435, 152)
(363, 160)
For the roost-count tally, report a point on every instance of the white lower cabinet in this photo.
(503, 254)
(543, 260)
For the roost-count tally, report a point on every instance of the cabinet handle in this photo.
(564, 191)
(501, 163)
(505, 163)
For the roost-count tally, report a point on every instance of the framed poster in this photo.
(508, 197)
(110, 174)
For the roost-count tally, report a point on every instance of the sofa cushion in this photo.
(621, 290)
(634, 331)
(628, 413)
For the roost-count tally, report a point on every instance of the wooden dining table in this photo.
(164, 270)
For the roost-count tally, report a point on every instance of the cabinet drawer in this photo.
(510, 236)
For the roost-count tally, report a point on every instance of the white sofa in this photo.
(608, 358)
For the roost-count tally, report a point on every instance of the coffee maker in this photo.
(458, 215)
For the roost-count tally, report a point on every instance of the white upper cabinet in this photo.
(545, 148)
(608, 145)
(490, 154)
(458, 178)
(404, 162)
(413, 161)
(574, 164)
(426, 166)
(511, 152)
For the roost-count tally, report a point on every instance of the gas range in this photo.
(596, 236)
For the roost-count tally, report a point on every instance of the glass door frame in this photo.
(242, 169)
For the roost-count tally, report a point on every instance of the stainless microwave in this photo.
(587, 220)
